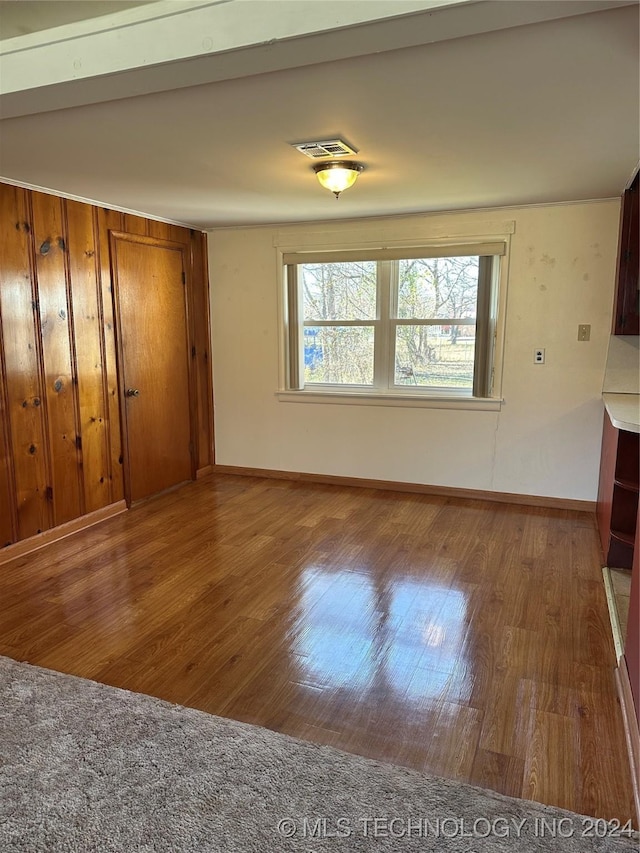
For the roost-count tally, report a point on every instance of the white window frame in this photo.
(486, 394)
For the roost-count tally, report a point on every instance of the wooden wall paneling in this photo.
(183, 235)
(136, 224)
(8, 519)
(202, 343)
(58, 357)
(180, 234)
(160, 230)
(61, 428)
(106, 221)
(191, 356)
(22, 366)
(90, 361)
(207, 364)
(166, 231)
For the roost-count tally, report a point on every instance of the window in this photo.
(394, 322)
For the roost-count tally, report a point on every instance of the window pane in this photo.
(338, 354)
(435, 356)
(342, 291)
(438, 288)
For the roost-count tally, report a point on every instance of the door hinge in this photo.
(49, 493)
(184, 277)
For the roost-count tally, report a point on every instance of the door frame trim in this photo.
(183, 248)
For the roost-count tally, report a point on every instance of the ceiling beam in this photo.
(171, 45)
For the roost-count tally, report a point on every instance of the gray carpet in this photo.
(86, 767)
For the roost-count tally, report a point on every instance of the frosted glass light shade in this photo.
(338, 175)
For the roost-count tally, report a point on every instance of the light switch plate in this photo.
(584, 332)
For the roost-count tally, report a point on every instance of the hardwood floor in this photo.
(468, 639)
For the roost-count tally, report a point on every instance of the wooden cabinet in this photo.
(617, 507)
(632, 642)
(626, 317)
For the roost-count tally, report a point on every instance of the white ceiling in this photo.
(20, 17)
(543, 112)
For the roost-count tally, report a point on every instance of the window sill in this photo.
(366, 398)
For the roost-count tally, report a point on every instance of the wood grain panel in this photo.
(89, 343)
(160, 230)
(107, 221)
(202, 345)
(23, 389)
(166, 231)
(632, 640)
(180, 234)
(58, 357)
(61, 435)
(8, 520)
(136, 224)
(626, 314)
(150, 283)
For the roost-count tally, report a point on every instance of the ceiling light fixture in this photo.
(338, 175)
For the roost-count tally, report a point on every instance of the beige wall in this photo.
(544, 441)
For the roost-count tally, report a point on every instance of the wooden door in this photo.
(149, 278)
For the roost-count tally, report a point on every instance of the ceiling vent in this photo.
(326, 148)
